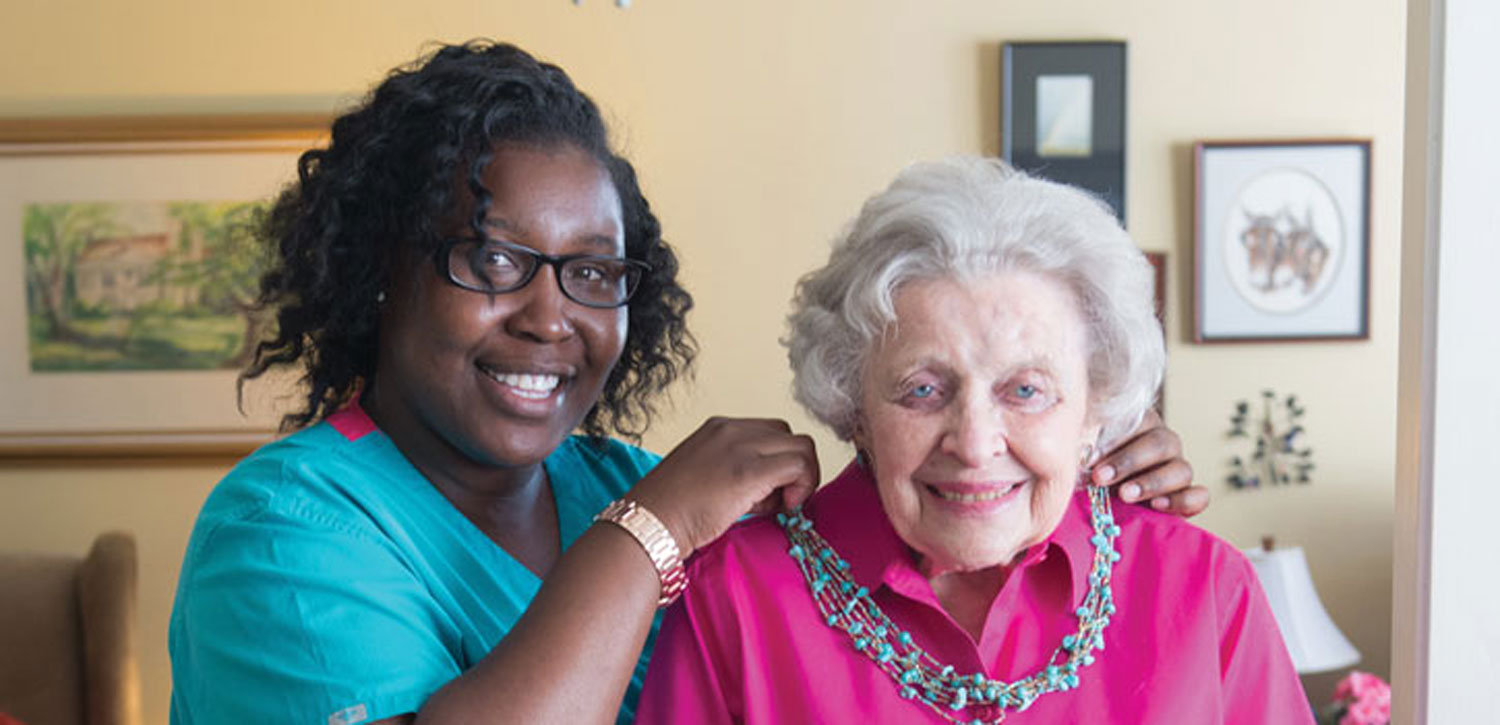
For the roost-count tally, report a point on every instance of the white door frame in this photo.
(1446, 591)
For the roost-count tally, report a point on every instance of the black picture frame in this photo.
(1038, 79)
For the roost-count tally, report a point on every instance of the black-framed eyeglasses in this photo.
(493, 267)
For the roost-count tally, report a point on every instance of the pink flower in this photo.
(1364, 713)
(1366, 699)
(1360, 685)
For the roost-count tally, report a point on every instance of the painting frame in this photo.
(1281, 240)
(1158, 261)
(1159, 272)
(160, 413)
(1063, 114)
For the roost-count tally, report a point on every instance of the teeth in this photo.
(529, 386)
(972, 497)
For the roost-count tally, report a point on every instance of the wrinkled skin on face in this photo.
(975, 414)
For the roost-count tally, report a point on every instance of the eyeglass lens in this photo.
(494, 267)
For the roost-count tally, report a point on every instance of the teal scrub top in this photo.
(326, 581)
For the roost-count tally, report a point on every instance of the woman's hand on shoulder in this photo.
(1148, 468)
(727, 468)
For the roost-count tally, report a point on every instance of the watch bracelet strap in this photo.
(656, 540)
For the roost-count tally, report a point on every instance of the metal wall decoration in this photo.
(1278, 453)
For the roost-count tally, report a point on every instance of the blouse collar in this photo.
(848, 514)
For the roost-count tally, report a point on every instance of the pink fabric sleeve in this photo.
(1259, 683)
(684, 682)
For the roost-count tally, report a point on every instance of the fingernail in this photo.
(1106, 473)
(1160, 504)
(1130, 492)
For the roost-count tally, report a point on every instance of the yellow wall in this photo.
(758, 127)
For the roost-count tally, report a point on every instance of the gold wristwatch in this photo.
(656, 540)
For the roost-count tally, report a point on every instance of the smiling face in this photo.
(499, 380)
(974, 415)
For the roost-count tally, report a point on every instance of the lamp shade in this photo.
(1314, 641)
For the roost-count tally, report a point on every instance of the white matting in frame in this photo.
(1282, 240)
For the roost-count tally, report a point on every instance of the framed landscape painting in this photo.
(127, 246)
(1282, 240)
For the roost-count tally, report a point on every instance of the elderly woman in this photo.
(979, 335)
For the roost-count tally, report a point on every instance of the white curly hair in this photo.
(955, 219)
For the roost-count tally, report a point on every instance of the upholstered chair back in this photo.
(67, 636)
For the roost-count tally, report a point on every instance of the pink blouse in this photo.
(1193, 641)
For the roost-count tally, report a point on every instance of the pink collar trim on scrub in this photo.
(352, 422)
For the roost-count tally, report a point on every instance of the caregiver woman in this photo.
(978, 335)
(467, 275)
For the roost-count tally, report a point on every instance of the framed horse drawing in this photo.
(1281, 240)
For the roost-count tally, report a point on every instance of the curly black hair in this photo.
(383, 187)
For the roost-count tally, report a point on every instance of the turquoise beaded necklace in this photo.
(849, 607)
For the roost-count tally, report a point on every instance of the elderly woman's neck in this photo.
(967, 595)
